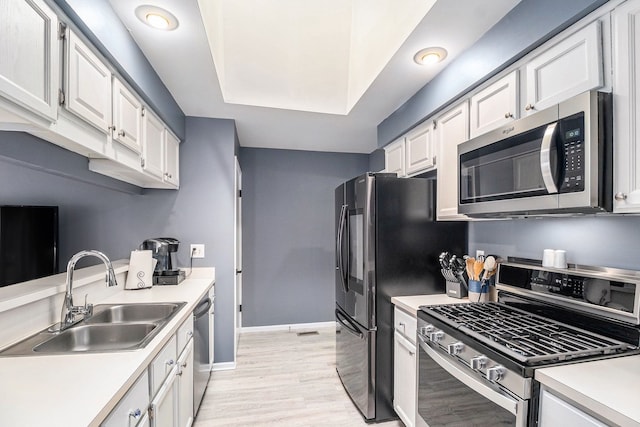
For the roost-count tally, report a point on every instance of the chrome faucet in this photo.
(69, 311)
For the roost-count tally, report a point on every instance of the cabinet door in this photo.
(163, 408)
(132, 408)
(419, 149)
(626, 107)
(29, 66)
(172, 160)
(88, 85)
(557, 412)
(127, 117)
(185, 386)
(452, 129)
(394, 157)
(162, 365)
(495, 105)
(571, 67)
(153, 145)
(404, 379)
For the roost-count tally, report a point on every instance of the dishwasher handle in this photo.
(202, 309)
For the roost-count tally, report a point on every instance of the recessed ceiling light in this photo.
(430, 56)
(157, 17)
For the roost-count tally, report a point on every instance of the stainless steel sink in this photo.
(127, 313)
(113, 327)
(99, 338)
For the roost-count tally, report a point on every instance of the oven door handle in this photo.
(545, 159)
(503, 401)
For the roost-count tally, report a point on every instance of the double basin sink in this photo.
(113, 327)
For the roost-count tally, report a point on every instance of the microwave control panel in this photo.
(572, 137)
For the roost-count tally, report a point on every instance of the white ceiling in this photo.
(184, 61)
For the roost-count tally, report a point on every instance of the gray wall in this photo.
(526, 26)
(612, 241)
(288, 233)
(98, 21)
(100, 213)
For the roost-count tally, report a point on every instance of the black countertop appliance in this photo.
(164, 250)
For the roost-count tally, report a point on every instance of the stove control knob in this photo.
(495, 373)
(478, 362)
(436, 336)
(426, 330)
(455, 348)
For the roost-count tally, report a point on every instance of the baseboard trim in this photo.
(224, 366)
(292, 327)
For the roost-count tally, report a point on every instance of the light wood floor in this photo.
(281, 379)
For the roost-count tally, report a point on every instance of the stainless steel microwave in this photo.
(556, 161)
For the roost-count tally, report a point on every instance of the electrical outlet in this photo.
(479, 254)
(197, 251)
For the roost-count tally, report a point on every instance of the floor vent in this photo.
(305, 333)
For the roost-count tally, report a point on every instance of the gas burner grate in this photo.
(524, 336)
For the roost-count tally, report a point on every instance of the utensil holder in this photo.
(479, 290)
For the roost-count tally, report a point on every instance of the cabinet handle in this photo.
(121, 133)
(508, 115)
(412, 353)
(620, 196)
(111, 128)
(529, 107)
(141, 162)
(135, 414)
(189, 334)
(170, 362)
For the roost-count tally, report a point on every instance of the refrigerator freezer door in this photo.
(355, 362)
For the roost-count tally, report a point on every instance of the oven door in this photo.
(449, 394)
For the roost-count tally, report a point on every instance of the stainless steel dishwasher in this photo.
(201, 338)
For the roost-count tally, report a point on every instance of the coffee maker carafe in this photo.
(164, 250)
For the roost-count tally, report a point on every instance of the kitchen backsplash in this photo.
(612, 241)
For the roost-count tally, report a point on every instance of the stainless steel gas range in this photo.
(477, 361)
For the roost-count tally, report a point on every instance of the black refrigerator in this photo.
(387, 244)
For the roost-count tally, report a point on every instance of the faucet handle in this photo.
(88, 308)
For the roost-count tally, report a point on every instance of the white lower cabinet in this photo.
(405, 367)
(185, 386)
(555, 411)
(162, 411)
(132, 408)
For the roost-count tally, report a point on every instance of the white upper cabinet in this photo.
(172, 160)
(153, 145)
(127, 117)
(29, 56)
(570, 67)
(452, 129)
(420, 149)
(88, 85)
(495, 105)
(626, 107)
(394, 158)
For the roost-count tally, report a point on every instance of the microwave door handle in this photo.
(545, 159)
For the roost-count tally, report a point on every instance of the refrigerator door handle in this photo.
(349, 327)
(339, 255)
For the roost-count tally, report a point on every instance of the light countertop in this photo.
(609, 388)
(82, 389)
(411, 303)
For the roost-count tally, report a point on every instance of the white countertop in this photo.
(610, 388)
(411, 303)
(81, 389)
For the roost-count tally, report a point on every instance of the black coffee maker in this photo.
(163, 250)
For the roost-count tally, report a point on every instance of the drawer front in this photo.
(162, 365)
(405, 324)
(132, 407)
(185, 332)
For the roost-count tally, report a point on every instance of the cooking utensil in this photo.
(478, 266)
(490, 266)
(469, 263)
